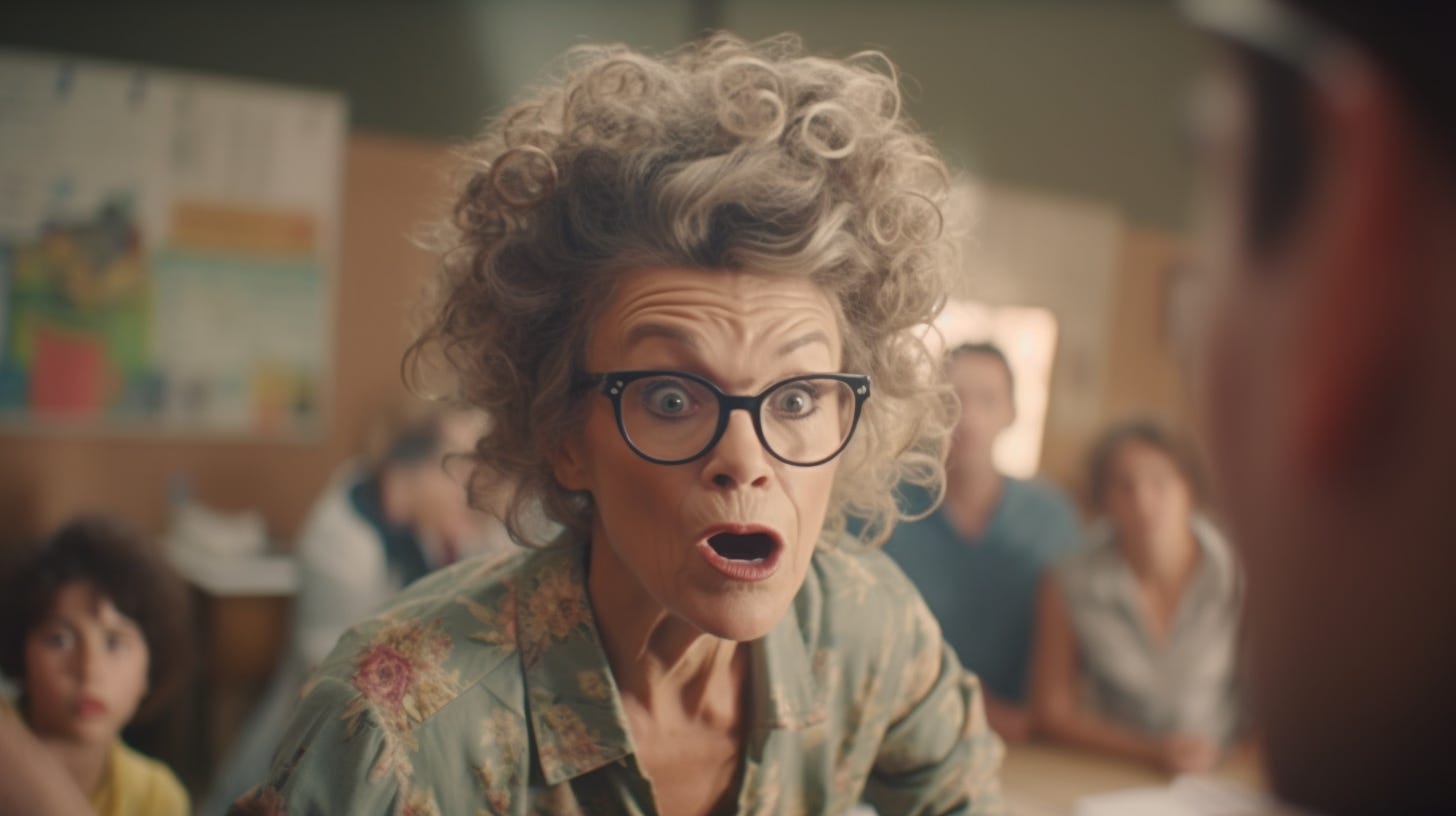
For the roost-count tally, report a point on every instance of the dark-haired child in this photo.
(95, 631)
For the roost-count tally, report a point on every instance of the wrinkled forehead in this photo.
(708, 311)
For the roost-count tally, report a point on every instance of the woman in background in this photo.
(1137, 632)
(386, 519)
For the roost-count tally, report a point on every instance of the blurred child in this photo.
(95, 631)
(1137, 632)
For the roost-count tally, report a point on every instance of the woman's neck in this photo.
(972, 491)
(85, 761)
(1163, 571)
(657, 658)
(1167, 565)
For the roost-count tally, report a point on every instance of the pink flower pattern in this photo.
(401, 681)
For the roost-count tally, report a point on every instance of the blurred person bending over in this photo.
(977, 559)
(1137, 632)
(386, 519)
(1328, 227)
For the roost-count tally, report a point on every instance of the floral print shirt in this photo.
(486, 690)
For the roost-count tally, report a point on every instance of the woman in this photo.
(670, 283)
(1137, 632)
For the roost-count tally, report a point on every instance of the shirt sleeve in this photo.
(939, 755)
(1055, 516)
(330, 763)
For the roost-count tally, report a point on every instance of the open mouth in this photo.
(742, 554)
(752, 548)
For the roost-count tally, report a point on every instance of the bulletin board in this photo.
(168, 244)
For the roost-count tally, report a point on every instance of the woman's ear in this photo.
(568, 464)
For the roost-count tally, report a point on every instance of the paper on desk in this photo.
(227, 554)
(245, 575)
(230, 535)
(1188, 795)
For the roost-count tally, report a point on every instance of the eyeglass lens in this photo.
(674, 418)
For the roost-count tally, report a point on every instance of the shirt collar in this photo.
(578, 723)
(783, 691)
(575, 707)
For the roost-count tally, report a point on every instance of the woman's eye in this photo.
(58, 639)
(669, 400)
(794, 402)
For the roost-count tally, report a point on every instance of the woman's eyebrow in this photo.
(644, 331)
(815, 336)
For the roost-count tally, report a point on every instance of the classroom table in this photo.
(1041, 779)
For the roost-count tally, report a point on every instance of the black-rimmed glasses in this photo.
(673, 417)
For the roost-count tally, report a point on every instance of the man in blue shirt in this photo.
(978, 558)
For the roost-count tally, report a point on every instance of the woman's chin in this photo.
(740, 620)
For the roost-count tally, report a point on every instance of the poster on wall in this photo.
(167, 249)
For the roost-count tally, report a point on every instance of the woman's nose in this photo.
(739, 458)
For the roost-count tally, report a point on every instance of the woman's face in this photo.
(670, 530)
(1148, 499)
(85, 667)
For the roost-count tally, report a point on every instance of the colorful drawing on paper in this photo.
(166, 249)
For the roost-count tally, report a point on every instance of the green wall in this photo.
(1078, 97)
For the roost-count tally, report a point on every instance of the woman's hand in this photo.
(1011, 722)
(34, 781)
(1183, 753)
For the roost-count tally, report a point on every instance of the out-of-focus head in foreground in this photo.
(1327, 134)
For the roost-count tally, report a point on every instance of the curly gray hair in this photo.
(720, 155)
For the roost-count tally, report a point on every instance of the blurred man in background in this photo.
(979, 558)
(1328, 221)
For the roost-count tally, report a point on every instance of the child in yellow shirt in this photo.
(95, 632)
